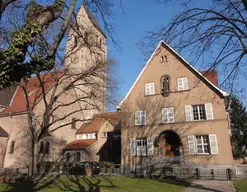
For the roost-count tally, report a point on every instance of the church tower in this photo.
(86, 56)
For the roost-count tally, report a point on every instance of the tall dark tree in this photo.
(238, 117)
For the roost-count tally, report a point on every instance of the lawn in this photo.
(94, 184)
(241, 185)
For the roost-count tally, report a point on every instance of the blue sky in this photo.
(131, 26)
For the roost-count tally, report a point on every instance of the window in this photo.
(73, 123)
(78, 156)
(41, 148)
(141, 148)
(202, 144)
(167, 115)
(163, 59)
(47, 148)
(105, 134)
(199, 112)
(12, 147)
(149, 89)
(140, 117)
(182, 83)
(67, 156)
(165, 84)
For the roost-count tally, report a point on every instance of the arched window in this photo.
(67, 156)
(163, 59)
(12, 147)
(47, 148)
(78, 156)
(41, 148)
(165, 85)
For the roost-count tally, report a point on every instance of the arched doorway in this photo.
(170, 143)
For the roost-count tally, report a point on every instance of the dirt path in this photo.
(211, 186)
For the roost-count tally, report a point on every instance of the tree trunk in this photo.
(34, 157)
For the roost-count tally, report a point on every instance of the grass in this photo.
(241, 185)
(94, 184)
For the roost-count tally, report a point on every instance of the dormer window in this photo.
(165, 84)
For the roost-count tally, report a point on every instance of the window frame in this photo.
(142, 116)
(183, 87)
(198, 110)
(167, 111)
(149, 89)
(143, 146)
(202, 144)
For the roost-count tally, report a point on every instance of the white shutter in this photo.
(213, 144)
(132, 147)
(150, 149)
(209, 111)
(192, 144)
(188, 113)
(144, 150)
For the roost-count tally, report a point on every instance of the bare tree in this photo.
(37, 20)
(213, 33)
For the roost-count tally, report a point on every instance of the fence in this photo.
(232, 173)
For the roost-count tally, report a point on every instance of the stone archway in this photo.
(170, 143)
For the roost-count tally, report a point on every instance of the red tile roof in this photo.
(211, 75)
(92, 126)
(80, 144)
(98, 120)
(34, 90)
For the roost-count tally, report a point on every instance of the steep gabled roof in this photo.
(186, 63)
(35, 92)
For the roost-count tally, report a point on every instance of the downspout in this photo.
(3, 163)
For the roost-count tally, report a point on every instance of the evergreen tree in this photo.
(238, 116)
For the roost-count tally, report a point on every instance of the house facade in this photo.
(95, 141)
(175, 114)
(71, 113)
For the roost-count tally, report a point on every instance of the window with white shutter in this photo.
(182, 83)
(149, 89)
(188, 113)
(168, 115)
(213, 144)
(203, 144)
(209, 111)
(141, 147)
(140, 117)
(132, 147)
(192, 144)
